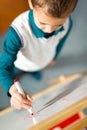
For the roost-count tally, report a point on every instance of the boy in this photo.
(33, 42)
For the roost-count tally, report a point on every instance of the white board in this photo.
(46, 105)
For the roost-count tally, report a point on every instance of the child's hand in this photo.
(51, 63)
(18, 101)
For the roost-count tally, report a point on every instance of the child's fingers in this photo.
(19, 102)
(26, 103)
(27, 106)
(15, 104)
(29, 97)
(20, 97)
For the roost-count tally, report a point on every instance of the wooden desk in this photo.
(48, 114)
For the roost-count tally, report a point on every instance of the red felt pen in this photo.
(21, 91)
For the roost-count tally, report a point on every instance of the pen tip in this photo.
(32, 114)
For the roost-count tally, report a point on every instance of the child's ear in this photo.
(30, 4)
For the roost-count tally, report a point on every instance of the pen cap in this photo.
(15, 80)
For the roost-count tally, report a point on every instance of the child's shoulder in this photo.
(21, 23)
(21, 20)
(21, 16)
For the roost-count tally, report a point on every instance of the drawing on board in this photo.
(46, 105)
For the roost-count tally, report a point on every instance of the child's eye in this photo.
(58, 26)
(42, 23)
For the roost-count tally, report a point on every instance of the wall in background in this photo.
(9, 9)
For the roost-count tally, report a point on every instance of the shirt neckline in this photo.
(37, 31)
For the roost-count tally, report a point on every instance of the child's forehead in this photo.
(43, 17)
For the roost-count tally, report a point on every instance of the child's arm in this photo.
(11, 47)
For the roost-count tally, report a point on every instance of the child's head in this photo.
(55, 8)
(50, 15)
